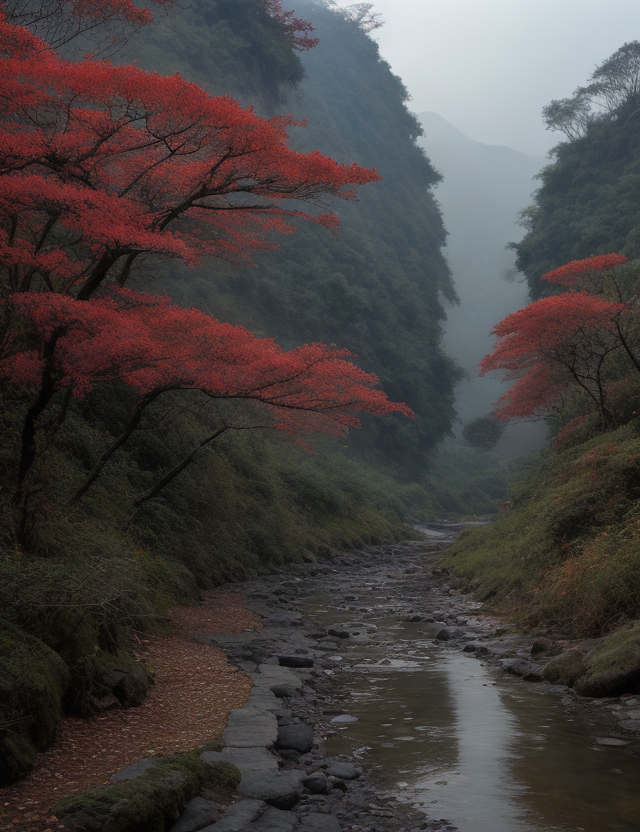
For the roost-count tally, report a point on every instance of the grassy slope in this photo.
(567, 553)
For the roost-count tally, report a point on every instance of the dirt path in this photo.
(189, 704)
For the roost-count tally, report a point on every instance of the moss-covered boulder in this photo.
(150, 803)
(33, 679)
(566, 668)
(102, 681)
(613, 667)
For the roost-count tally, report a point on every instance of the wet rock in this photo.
(345, 771)
(282, 789)
(344, 719)
(565, 669)
(238, 816)
(319, 822)
(299, 737)
(613, 667)
(338, 632)
(612, 742)
(295, 661)
(526, 670)
(274, 820)
(443, 635)
(283, 691)
(316, 783)
(197, 814)
(250, 727)
(133, 771)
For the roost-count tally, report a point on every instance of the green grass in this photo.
(567, 553)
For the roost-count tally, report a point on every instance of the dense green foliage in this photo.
(567, 552)
(377, 287)
(229, 47)
(588, 199)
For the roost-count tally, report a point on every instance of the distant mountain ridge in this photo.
(483, 190)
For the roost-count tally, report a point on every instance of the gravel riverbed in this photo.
(339, 617)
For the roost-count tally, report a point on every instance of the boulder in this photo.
(565, 669)
(613, 667)
(344, 771)
(32, 683)
(299, 737)
(281, 789)
(197, 814)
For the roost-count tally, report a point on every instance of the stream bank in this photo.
(384, 699)
(388, 631)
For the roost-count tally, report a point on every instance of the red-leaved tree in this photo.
(553, 344)
(101, 164)
(154, 347)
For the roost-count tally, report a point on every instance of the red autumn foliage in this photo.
(99, 164)
(550, 345)
(568, 274)
(297, 29)
(154, 346)
(60, 21)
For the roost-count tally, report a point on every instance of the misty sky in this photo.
(489, 66)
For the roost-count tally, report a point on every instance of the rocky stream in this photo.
(384, 699)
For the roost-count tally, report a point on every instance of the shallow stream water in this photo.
(486, 751)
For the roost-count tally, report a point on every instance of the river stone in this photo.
(630, 725)
(281, 789)
(344, 771)
(283, 691)
(133, 771)
(443, 634)
(319, 822)
(274, 820)
(344, 719)
(316, 783)
(614, 665)
(565, 669)
(246, 760)
(263, 697)
(338, 633)
(299, 737)
(273, 674)
(250, 727)
(295, 661)
(197, 814)
(611, 742)
(238, 816)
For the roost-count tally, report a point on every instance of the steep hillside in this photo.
(377, 287)
(587, 202)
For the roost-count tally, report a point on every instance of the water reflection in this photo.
(490, 755)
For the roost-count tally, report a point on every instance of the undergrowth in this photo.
(566, 553)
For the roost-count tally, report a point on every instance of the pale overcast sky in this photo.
(489, 66)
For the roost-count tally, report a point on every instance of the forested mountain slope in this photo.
(378, 286)
(566, 553)
(587, 202)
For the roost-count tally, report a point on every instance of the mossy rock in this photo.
(566, 668)
(33, 679)
(613, 667)
(150, 803)
(102, 681)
